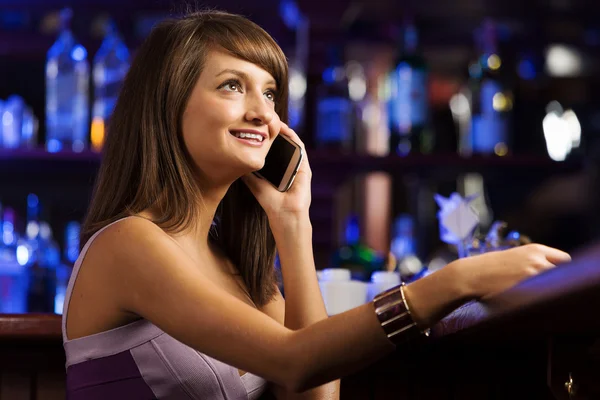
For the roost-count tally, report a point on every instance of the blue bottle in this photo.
(404, 248)
(29, 129)
(64, 269)
(111, 64)
(408, 107)
(12, 117)
(67, 90)
(335, 110)
(1, 125)
(12, 270)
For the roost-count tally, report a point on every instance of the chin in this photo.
(253, 161)
(257, 165)
(248, 166)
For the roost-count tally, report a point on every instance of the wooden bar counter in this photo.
(539, 340)
(32, 360)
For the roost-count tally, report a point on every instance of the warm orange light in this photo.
(97, 133)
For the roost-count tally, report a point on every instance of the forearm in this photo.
(303, 301)
(430, 298)
(434, 296)
(338, 346)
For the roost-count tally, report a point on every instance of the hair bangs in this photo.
(248, 41)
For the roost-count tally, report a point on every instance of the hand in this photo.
(491, 273)
(283, 207)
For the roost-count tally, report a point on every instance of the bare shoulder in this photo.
(135, 255)
(127, 237)
(131, 245)
(116, 255)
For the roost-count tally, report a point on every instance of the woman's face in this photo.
(230, 122)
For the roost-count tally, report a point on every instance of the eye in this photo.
(271, 95)
(232, 86)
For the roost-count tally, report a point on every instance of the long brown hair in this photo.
(145, 162)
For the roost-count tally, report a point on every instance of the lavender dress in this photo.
(139, 361)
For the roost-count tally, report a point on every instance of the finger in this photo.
(302, 180)
(555, 256)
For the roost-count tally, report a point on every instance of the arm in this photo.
(151, 277)
(291, 227)
(304, 304)
(330, 391)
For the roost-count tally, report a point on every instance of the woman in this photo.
(174, 294)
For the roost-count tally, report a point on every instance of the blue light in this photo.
(288, 10)
(403, 68)
(8, 236)
(329, 75)
(514, 235)
(79, 53)
(54, 146)
(59, 302)
(72, 254)
(526, 69)
(32, 200)
(483, 60)
(122, 52)
(352, 230)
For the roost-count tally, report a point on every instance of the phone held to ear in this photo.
(282, 163)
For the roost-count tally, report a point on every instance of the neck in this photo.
(195, 239)
(212, 194)
(211, 198)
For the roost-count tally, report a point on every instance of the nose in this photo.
(259, 112)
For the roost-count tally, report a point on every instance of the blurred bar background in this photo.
(396, 101)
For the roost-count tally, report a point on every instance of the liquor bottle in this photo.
(67, 88)
(111, 64)
(403, 247)
(41, 291)
(297, 95)
(13, 277)
(29, 129)
(360, 259)
(12, 117)
(372, 135)
(64, 268)
(335, 114)
(299, 25)
(45, 255)
(491, 99)
(1, 125)
(408, 104)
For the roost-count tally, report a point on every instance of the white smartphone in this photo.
(282, 163)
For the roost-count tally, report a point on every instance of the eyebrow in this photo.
(243, 75)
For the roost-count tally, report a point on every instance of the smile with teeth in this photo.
(249, 136)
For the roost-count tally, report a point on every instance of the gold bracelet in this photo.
(394, 316)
